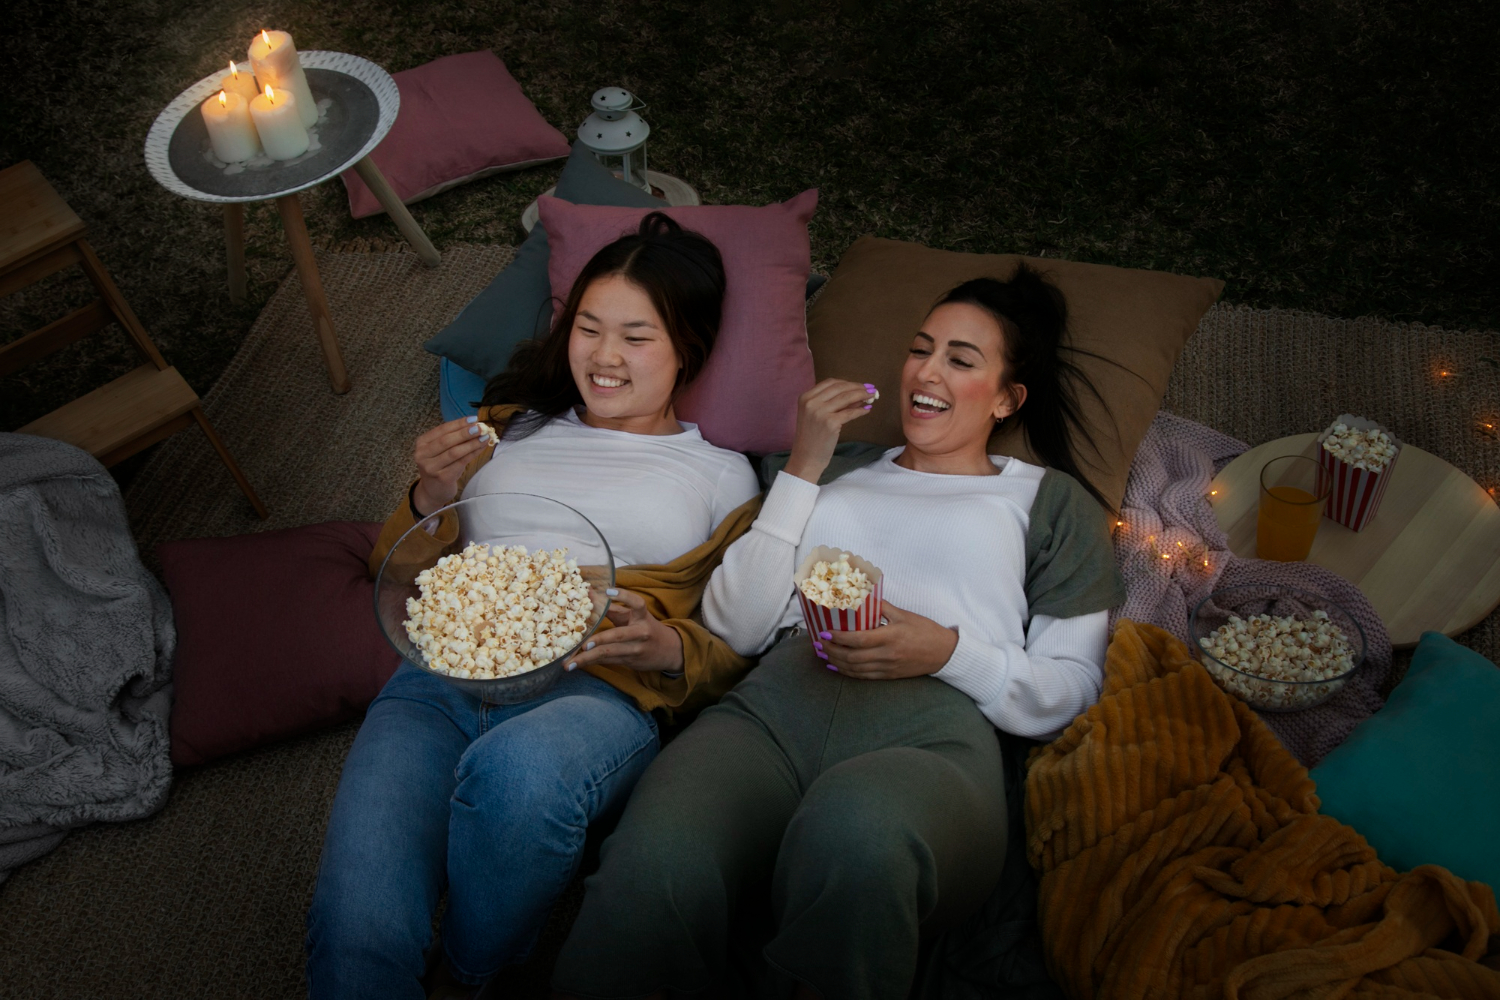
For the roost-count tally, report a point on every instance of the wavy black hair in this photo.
(1033, 319)
(680, 271)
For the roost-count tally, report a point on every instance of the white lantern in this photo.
(616, 135)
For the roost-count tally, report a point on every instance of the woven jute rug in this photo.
(207, 898)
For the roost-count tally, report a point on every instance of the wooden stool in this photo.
(41, 235)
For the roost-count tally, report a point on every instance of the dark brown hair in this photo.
(679, 270)
(1033, 318)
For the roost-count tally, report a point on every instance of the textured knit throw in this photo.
(85, 657)
(1166, 503)
(1182, 855)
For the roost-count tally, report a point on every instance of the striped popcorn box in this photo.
(1356, 493)
(819, 618)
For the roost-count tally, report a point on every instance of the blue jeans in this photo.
(490, 800)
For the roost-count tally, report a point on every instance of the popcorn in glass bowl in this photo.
(499, 596)
(1280, 649)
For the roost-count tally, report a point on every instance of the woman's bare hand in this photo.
(822, 412)
(909, 646)
(637, 641)
(442, 454)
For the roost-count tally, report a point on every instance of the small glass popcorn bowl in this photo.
(1263, 693)
(494, 519)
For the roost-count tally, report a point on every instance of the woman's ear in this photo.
(1009, 401)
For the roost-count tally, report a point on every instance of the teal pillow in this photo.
(518, 303)
(1420, 779)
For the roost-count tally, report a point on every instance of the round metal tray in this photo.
(357, 104)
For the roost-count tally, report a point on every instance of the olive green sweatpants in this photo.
(865, 815)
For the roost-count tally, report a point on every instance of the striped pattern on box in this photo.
(821, 619)
(1356, 493)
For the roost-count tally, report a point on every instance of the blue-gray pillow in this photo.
(518, 303)
(1420, 779)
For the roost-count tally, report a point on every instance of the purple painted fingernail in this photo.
(833, 668)
(817, 645)
(869, 406)
(822, 655)
(825, 635)
(471, 420)
(870, 386)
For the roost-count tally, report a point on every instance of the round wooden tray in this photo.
(1430, 558)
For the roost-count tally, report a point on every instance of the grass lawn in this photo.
(1331, 155)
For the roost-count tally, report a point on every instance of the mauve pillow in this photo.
(745, 399)
(462, 117)
(276, 636)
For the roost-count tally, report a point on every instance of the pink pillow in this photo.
(462, 118)
(276, 636)
(745, 399)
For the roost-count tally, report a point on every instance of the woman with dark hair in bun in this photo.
(492, 802)
(852, 783)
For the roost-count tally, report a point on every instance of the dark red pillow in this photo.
(276, 636)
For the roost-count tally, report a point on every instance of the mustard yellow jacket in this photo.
(672, 592)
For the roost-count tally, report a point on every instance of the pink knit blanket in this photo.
(1166, 511)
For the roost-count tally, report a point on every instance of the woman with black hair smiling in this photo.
(857, 774)
(492, 802)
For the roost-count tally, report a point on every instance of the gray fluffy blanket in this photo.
(85, 658)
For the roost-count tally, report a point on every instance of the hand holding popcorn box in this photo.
(1359, 456)
(839, 592)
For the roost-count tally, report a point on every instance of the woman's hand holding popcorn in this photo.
(638, 641)
(909, 646)
(822, 412)
(442, 454)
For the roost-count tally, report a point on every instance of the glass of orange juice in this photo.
(1293, 489)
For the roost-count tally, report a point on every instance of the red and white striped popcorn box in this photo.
(1356, 493)
(856, 619)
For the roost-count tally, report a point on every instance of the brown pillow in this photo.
(861, 326)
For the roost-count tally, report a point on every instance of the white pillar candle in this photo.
(239, 81)
(274, 59)
(230, 130)
(281, 130)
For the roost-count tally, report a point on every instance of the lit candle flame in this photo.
(1213, 493)
(265, 37)
(1119, 524)
(1205, 564)
(270, 95)
(1443, 374)
(1165, 556)
(234, 70)
(223, 100)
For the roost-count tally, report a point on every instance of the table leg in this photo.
(383, 192)
(312, 286)
(234, 246)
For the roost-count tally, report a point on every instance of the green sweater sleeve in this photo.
(1070, 560)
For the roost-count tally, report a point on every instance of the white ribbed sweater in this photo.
(953, 549)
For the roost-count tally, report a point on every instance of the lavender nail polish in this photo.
(588, 645)
(869, 406)
(833, 668)
(817, 645)
(825, 635)
(471, 420)
(870, 386)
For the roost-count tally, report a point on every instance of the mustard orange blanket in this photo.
(1182, 855)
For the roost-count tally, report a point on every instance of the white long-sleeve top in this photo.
(953, 549)
(652, 496)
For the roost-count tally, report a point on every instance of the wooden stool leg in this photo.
(234, 246)
(105, 286)
(383, 192)
(230, 463)
(312, 286)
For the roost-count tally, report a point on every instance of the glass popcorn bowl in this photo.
(495, 519)
(1264, 693)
